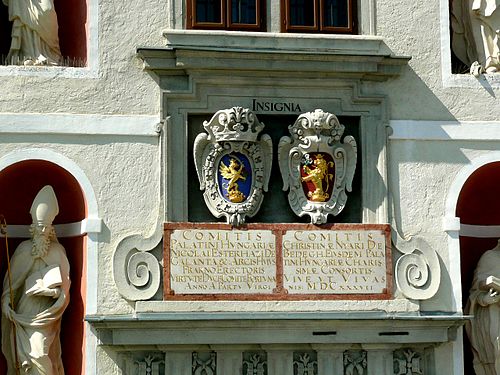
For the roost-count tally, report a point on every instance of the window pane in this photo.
(335, 13)
(302, 12)
(244, 11)
(208, 11)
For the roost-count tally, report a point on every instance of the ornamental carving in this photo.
(316, 166)
(204, 363)
(355, 362)
(305, 363)
(233, 165)
(407, 362)
(254, 363)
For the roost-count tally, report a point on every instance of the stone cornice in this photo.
(273, 55)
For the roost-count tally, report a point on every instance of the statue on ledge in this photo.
(35, 295)
(35, 39)
(476, 34)
(484, 305)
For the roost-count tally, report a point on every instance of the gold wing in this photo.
(225, 171)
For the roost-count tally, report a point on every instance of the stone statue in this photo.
(35, 295)
(484, 305)
(35, 39)
(476, 34)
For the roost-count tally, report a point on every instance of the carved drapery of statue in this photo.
(476, 37)
(35, 39)
(38, 288)
(484, 305)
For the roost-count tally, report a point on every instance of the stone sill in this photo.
(48, 72)
(276, 42)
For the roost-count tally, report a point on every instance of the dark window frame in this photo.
(318, 27)
(226, 18)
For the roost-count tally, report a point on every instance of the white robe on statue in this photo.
(34, 32)
(37, 318)
(484, 329)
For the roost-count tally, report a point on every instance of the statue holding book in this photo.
(484, 305)
(35, 295)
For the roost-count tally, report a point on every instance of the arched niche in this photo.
(73, 30)
(478, 204)
(19, 184)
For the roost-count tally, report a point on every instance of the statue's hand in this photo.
(48, 292)
(489, 298)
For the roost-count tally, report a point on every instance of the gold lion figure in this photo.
(316, 176)
(233, 174)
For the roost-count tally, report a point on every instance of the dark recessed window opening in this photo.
(324, 16)
(226, 14)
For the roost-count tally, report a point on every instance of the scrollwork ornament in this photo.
(417, 271)
(136, 271)
(232, 164)
(316, 167)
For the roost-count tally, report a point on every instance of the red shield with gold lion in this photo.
(317, 175)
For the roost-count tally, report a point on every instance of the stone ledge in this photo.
(353, 56)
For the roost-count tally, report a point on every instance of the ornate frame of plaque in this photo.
(316, 166)
(233, 166)
(215, 261)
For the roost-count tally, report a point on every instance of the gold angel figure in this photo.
(316, 176)
(233, 174)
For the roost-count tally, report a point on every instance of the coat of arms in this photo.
(316, 167)
(233, 166)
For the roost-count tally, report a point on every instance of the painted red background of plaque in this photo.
(279, 293)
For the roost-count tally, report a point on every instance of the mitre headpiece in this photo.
(44, 208)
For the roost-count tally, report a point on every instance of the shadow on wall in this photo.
(73, 29)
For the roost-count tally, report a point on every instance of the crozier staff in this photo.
(35, 39)
(40, 291)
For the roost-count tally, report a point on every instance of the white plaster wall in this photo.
(421, 175)
(414, 29)
(121, 87)
(124, 173)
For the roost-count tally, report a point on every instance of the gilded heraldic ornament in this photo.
(233, 166)
(316, 167)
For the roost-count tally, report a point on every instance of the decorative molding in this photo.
(355, 362)
(480, 231)
(315, 156)
(137, 272)
(207, 366)
(233, 166)
(151, 365)
(417, 271)
(78, 124)
(445, 130)
(407, 362)
(254, 363)
(305, 363)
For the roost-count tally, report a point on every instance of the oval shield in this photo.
(317, 174)
(234, 175)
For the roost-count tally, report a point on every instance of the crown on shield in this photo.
(317, 123)
(233, 124)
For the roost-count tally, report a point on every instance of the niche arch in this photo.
(474, 207)
(22, 174)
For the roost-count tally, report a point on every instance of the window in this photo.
(226, 14)
(326, 16)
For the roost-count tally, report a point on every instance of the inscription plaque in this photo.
(342, 262)
(221, 261)
(277, 261)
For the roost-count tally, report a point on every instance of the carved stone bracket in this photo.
(417, 271)
(407, 362)
(136, 271)
(316, 167)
